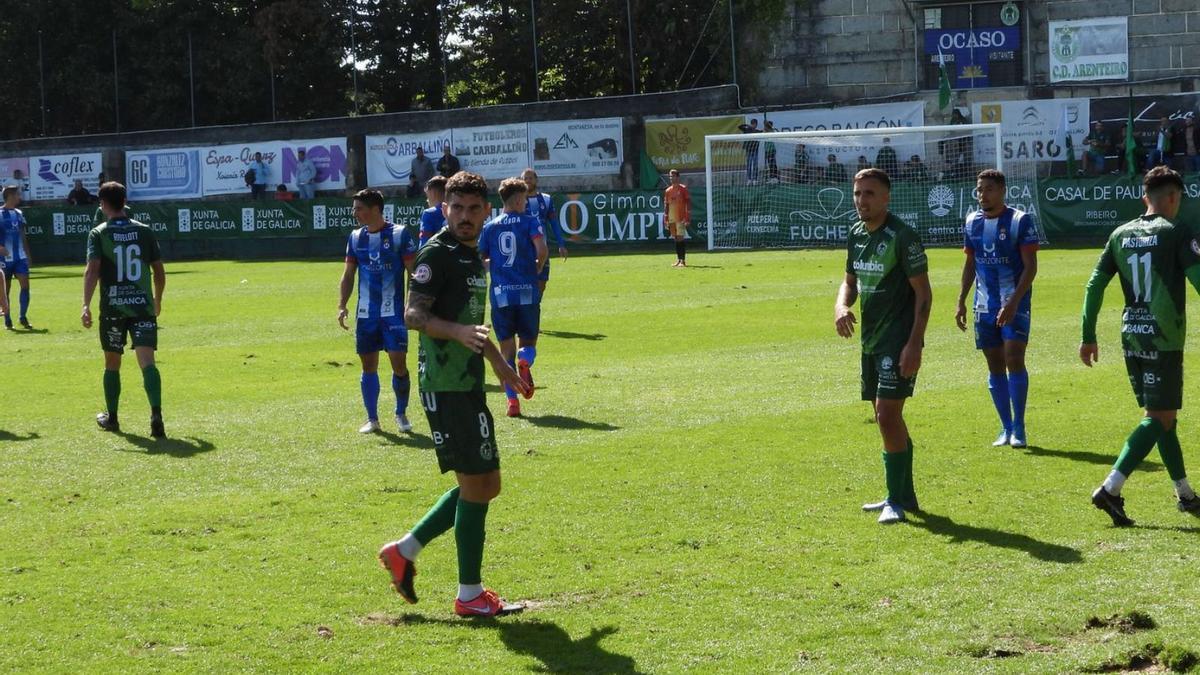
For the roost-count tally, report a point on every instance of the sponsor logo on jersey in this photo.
(1139, 329)
(867, 266)
(477, 282)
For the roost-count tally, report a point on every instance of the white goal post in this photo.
(793, 189)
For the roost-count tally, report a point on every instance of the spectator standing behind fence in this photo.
(448, 164)
(422, 168)
(769, 153)
(887, 160)
(914, 169)
(79, 195)
(800, 164)
(306, 176)
(1190, 142)
(282, 194)
(413, 189)
(1162, 144)
(751, 148)
(835, 173)
(1097, 148)
(863, 164)
(261, 178)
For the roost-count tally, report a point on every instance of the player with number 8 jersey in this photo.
(124, 259)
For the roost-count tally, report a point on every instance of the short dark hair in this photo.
(994, 175)
(370, 198)
(878, 174)
(436, 183)
(113, 194)
(9, 190)
(512, 186)
(1159, 179)
(466, 183)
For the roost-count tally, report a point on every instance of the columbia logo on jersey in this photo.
(867, 266)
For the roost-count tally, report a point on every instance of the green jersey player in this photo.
(122, 254)
(446, 304)
(886, 268)
(1153, 256)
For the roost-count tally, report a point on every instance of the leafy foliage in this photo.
(124, 65)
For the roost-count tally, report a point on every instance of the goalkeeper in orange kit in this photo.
(677, 206)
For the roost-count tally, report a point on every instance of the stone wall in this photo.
(838, 51)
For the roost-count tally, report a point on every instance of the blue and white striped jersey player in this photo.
(541, 205)
(14, 253)
(432, 218)
(1001, 245)
(382, 254)
(514, 246)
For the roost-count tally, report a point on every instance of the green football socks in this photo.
(439, 518)
(1172, 453)
(896, 472)
(152, 381)
(910, 492)
(1138, 445)
(112, 391)
(468, 535)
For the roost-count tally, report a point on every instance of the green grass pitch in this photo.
(683, 494)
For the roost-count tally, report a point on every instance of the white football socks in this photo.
(468, 592)
(1113, 483)
(409, 546)
(1183, 490)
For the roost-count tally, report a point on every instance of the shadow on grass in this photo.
(564, 422)
(409, 440)
(959, 532)
(1187, 529)
(544, 641)
(174, 447)
(568, 335)
(8, 436)
(705, 267)
(18, 330)
(1087, 457)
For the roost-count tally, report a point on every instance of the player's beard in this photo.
(467, 229)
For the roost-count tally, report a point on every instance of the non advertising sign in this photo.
(1089, 49)
(969, 53)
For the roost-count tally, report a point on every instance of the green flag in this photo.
(1068, 142)
(943, 82)
(1131, 146)
(649, 173)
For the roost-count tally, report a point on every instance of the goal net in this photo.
(794, 189)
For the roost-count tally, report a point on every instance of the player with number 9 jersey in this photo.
(514, 244)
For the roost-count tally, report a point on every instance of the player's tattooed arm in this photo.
(843, 315)
(419, 316)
